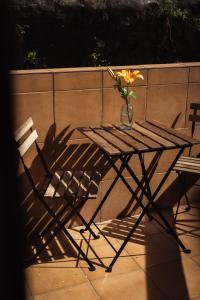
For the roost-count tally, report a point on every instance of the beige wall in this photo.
(60, 100)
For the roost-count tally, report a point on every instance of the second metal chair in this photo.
(188, 164)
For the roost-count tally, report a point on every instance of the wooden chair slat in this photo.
(162, 133)
(54, 183)
(73, 186)
(63, 184)
(186, 169)
(190, 158)
(23, 148)
(84, 184)
(189, 164)
(23, 129)
(94, 185)
(165, 143)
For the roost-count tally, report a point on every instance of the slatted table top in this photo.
(143, 137)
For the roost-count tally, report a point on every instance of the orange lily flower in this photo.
(129, 76)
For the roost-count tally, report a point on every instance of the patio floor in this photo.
(150, 268)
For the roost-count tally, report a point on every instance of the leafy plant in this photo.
(31, 59)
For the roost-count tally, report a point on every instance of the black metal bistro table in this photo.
(122, 145)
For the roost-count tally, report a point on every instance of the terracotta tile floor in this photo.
(151, 267)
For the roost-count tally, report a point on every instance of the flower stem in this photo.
(129, 117)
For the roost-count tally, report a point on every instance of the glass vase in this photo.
(126, 116)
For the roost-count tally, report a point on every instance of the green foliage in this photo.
(31, 59)
(21, 31)
(79, 33)
(170, 8)
(132, 94)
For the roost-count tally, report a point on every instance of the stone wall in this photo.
(59, 100)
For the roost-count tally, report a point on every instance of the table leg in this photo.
(125, 161)
(133, 192)
(151, 198)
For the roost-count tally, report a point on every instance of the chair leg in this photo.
(186, 197)
(185, 192)
(60, 213)
(188, 204)
(177, 208)
(84, 222)
(61, 226)
(74, 243)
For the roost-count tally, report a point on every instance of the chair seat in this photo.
(73, 184)
(188, 165)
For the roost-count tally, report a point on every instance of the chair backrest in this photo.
(194, 117)
(25, 138)
(21, 132)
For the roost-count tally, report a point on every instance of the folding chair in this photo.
(188, 164)
(76, 187)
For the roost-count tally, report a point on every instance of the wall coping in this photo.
(89, 69)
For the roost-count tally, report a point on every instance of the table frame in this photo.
(156, 132)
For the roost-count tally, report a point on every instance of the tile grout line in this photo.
(92, 287)
(132, 257)
(102, 93)
(54, 116)
(187, 94)
(146, 274)
(98, 88)
(31, 93)
(102, 110)
(131, 271)
(58, 91)
(128, 272)
(194, 261)
(146, 96)
(60, 289)
(128, 255)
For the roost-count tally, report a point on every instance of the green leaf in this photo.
(132, 94)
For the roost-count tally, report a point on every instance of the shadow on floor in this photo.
(189, 223)
(165, 267)
(161, 258)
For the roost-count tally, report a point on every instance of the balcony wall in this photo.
(59, 100)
